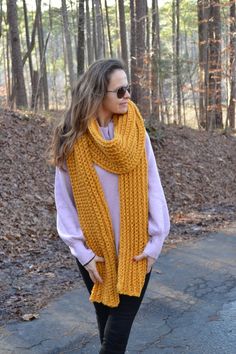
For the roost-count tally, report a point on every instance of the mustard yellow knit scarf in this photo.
(123, 155)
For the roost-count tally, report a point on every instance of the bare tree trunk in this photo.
(133, 53)
(108, 30)
(80, 49)
(28, 40)
(161, 99)
(178, 75)
(6, 66)
(232, 102)
(173, 84)
(74, 19)
(34, 89)
(104, 43)
(65, 71)
(190, 78)
(95, 43)
(99, 29)
(140, 45)
(30, 47)
(19, 90)
(214, 109)
(42, 73)
(147, 66)
(68, 43)
(89, 34)
(203, 18)
(155, 117)
(43, 66)
(1, 18)
(123, 38)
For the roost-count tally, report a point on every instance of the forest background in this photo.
(180, 59)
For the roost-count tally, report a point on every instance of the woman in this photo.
(111, 209)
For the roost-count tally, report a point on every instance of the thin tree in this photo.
(118, 49)
(161, 96)
(30, 46)
(123, 38)
(95, 42)
(203, 18)
(6, 66)
(133, 53)
(108, 30)
(214, 109)
(18, 90)
(80, 48)
(1, 18)
(28, 40)
(232, 102)
(177, 63)
(68, 44)
(43, 81)
(155, 117)
(140, 53)
(98, 19)
(147, 64)
(173, 84)
(190, 75)
(89, 34)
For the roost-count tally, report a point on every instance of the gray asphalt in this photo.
(189, 307)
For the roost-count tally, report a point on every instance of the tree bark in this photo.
(214, 109)
(98, 17)
(68, 44)
(203, 18)
(155, 117)
(173, 85)
(1, 18)
(80, 49)
(140, 53)
(43, 84)
(123, 38)
(178, 75)
(19, 90)
(133, 54)
(28, 40)
(108, 30)
(232, 102)
(89, 34)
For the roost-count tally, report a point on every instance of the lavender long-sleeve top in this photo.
(68, 224)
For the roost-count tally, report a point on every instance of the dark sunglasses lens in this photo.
(122, 90)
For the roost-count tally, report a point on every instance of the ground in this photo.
(198, 173)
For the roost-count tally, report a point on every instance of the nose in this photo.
(127, 94)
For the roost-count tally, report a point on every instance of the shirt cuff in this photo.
(81, 252)
(153, 247)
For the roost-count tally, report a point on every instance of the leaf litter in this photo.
(198, 174)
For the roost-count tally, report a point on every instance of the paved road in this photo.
(189, 307)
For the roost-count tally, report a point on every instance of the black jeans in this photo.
(114, 324)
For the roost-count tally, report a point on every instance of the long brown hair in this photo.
(87, 96)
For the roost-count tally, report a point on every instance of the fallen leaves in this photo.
(30, 316)
(198, 173)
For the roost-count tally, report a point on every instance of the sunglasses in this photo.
(121, 91)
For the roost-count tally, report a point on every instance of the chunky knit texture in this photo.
(123, 155)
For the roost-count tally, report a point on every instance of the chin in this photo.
(123, 109)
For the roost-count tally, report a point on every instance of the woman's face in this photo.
(111, 103)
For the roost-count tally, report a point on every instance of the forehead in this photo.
(117, 78)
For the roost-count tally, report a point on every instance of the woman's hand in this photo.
(150, 260)
(92, 269)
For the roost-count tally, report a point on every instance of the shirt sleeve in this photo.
(68, 225)
(158, 216)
